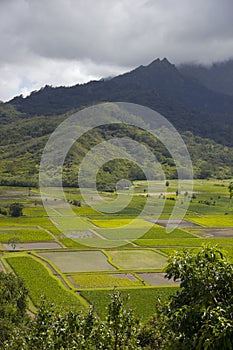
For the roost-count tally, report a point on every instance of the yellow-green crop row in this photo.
(114, 223)
(217, 220)
(24, 235)
(104, 280)
(40, 282)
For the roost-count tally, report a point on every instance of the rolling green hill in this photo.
(24, 138)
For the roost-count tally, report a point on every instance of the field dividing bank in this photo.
(30, 246)
(90, 244)
(41, 282)
(185, 242)
(142, 300)
(2, 268)
(55, 271)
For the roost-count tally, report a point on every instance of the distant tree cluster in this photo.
(230, 188)
(16, 209)
(75, 202)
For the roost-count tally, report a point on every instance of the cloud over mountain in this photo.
(62, 42)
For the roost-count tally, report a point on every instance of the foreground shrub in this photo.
(13, 303)
(200, 316)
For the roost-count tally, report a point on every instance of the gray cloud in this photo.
(63, 42)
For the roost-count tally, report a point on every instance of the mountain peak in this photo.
(160, 62)
(155, 69)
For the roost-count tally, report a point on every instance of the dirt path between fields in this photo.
(2, 268)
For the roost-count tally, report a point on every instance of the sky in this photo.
(66, 42)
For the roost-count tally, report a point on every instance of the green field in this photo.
(97, 280)
(116, 223)
(78, 261)
(141, 300)
(40, 282)
(24, 235)
(155, 232)
(28, 222)
(158, 232)
(137, 259)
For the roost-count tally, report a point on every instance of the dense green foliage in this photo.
(13, 302)
(16, 209)
(201, 314)
(21, 149)
(52, 331)
(230, 188)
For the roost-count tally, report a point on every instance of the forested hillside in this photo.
(203, 117)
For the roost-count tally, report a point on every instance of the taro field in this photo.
(77, 255)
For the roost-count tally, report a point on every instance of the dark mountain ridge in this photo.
(160, 76)
(217, 77)
(187, 103)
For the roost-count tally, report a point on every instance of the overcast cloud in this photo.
(65, 42)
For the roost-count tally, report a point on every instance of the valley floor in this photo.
(77, 260)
